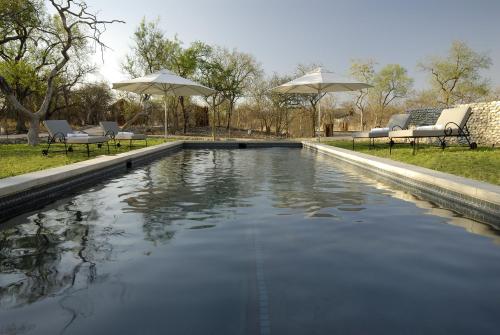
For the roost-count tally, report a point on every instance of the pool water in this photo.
(266, 241)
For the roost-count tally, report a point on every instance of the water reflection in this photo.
(67, 247)
(48, 253)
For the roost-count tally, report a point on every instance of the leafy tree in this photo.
(390, 84)
(239, 69)
(211, 74)
(72, 27)
(20, 24)
(309, 100)
(457, 78)
(363, 71)
(261, 105)
(185, 63)
(153, 51)
(281, 103)
(422, 99)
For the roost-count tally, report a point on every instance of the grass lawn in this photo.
(17, 159)
(480, 164)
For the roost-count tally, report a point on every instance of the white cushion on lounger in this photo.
(86, 140)
(370, 134)
(421, 133)
(77, 135)
(434, 127)
(129, 136)
(379, 130)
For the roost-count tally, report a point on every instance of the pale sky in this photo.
(281, 34)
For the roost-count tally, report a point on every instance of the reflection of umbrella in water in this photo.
(319, 81)
(164, 83)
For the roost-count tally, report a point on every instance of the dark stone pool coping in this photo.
(473, 199)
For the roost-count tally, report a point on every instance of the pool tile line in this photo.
(263, 303)
(473, 199)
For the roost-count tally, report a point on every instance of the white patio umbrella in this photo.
(164, 83)
(319, 81)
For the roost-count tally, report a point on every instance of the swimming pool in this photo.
(269, 241)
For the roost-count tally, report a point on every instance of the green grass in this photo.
(480, 164)
(17, 159)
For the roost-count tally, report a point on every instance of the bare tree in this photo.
(75, 25)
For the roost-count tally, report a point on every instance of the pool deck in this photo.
(27, 192)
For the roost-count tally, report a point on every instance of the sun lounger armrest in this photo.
(59, 135)
(110, 133)
(448, 130)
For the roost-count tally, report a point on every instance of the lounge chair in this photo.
(112, 131)
(451, 123)
(397, 121)
(60, 130)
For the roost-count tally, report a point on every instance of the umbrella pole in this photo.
(166, 118)
(319, 118)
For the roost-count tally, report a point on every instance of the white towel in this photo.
(434, 127)
(379, 130)
(127, 133)
(77, 135)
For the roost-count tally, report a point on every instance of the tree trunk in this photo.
(313, 123)
(34, 130)
(229, 112)
(185, 115)
(134, 118)
(213, 123)
(361, 120)
(20, 126)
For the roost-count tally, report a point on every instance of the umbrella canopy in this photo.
(163, 82)
(319, 81)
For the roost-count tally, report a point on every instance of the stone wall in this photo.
(484, 123)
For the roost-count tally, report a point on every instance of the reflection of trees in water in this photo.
(192, 185)
(209, 184)
(311, 183)
(52, 252)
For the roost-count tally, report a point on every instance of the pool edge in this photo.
(473, 199)
(30, 191)
(477, 200)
